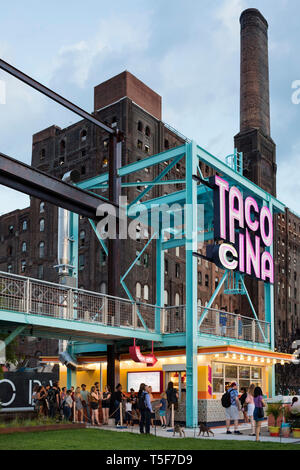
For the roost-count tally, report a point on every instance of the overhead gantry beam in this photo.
(21, 177)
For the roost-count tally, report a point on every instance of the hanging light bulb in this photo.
(217, 355)
(262, 360)
(226, 356)
(268, 361)
(282, 362)
(233, 356)
(249, 358)
(241, 357)
(274, 361)
(255, 359)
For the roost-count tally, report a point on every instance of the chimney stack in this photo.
(254, 91)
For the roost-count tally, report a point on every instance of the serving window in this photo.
(244, 375)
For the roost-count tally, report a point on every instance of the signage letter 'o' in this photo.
(13, 391)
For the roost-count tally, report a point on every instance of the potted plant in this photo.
(294, 421)
(275, 410)
(286, 426)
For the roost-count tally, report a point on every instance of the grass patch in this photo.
(18, 422)
(93, 439)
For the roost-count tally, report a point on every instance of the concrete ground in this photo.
(219, 433)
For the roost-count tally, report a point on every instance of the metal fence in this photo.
(218, 323)
(31, 296)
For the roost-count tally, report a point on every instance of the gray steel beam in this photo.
(21, 177)
(54, 96)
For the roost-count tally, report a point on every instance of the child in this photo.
(128, 409)
(162, 409)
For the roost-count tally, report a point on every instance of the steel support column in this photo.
(191, 288)
(160, 281)
(13, 335)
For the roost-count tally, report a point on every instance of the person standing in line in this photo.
(162, 410)
(117, 398)
(258, 414)
(152, 418)
(85, 403)
(145, 409)
(97, 386)
(67, 405)
(106, 403)
(251, 406)
(172, 398)
(232, 412)
(128, 412)
(244, 404)
(135, 409)
(53, 400)
(78, 406)
(94, 399)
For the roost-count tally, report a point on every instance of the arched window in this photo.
(138, 290)
(24, 247)
(11, 229)
(23, 266)
(82, 237)
(140, 126)
(41, 249)
(177, 299)
(166, 297)
(42, 207)
(83, 135)
(147, 131)
(9, 268)
(42, 225)
(62, 147)
(103, 288)
(146, 292)
(24, 225)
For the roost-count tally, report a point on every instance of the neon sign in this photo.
(246, 231)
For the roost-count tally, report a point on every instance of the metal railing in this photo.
(219, 323)
(36, 297)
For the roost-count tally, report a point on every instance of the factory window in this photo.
(83, 135)
(295, 293)
(10, 251)
(82, 237)
(177, 299)
(216, 282)
(105, 144)
(24, 225)
(103, 258)
(139, 188)
(24, 247)
(167, 145)
(11, 229)
(138, 232)
(104, 162)
(138, 262)
(177, 251)
(61, 161)
(81, 262)
(40, 271)
(42, 154)
(83, 171)
(200, 277)
(103, 288)
(23, 266)
(83, 153)
(166, 266)
(140, 126)
(177, 270)
(147, 131)
(114, 121)
(206, 280)
(41, 249)
(146, 260)
(166, 297)
(146, 292)
(62, 147)
(147, 149)
(42, 207)
(140, 144)
(9, 268)
(138, 290)
(42, 225)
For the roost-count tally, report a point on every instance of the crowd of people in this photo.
(83, 406)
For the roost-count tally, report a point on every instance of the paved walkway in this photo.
(219, 433)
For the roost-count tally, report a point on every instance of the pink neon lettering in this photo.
(266, 214)
(241, 253)
(223, 187)
(267, 272)
(235, 214)
(223, 250)
(252, 258)
(250, 202)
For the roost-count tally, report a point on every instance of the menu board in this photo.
(134, 379)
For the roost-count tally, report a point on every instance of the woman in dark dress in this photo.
(106, 403)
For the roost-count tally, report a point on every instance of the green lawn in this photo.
(93, 439)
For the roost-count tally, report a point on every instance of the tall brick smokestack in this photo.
(254, 98)
(254, 140)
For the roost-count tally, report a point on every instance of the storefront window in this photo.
(224, 374)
